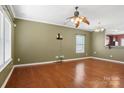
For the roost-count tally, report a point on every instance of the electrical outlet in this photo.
(57, 57)
(18, 59)
(14, 25)
(110, 56)
(86, 54)
(94, 52)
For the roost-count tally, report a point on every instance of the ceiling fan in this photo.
(76, 19)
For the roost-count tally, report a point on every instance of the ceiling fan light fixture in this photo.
(76, 19)
(72, 20)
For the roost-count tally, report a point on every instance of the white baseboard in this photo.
(36, 63)
(49, 62)
(109, 60)
(74, 59)
(5, 65)
(68, 60)
(7, 78)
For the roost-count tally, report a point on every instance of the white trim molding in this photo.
(4, 65)
(109, 60)
(68, 60)
(12, 10)
(74, 59)
(50, 23)
(49, 62)
(36, 63)
(7, 78)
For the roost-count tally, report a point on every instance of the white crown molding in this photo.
(12, 10)
(50, 23)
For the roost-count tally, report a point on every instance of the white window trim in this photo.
(4, 65)
(2, 29)
(82, 45)
(8, 20)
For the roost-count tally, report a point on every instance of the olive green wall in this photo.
(4, 73)
(36, 42)
(98, 40)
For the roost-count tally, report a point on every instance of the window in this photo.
(5, 40)
(1, 39)
(80, 43)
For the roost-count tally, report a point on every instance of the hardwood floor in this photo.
(84, 73)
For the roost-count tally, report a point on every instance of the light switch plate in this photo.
(94, 52)
(110, 56)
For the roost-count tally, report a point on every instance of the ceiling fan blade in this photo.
(81, 17)
(66, 22)
(70, 17)
(77, 24)
(86, 21)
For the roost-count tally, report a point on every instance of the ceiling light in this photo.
(76, 19)
(99, 28)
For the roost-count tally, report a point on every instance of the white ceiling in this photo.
(111, 16)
